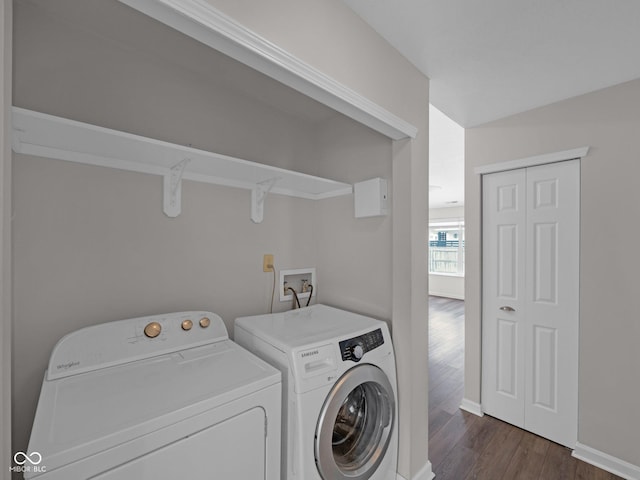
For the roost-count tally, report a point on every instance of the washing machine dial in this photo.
(357, 352)
(153, 329)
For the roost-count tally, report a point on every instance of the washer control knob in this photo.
(205, 322)
(153, 329)
(187, 324)
(357, 352)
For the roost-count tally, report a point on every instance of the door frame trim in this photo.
(564, 155)
(6, 262)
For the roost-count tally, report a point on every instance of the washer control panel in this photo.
(114, 343)
(354, 348)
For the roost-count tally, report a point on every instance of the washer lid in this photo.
(83, 414)
(306, 326)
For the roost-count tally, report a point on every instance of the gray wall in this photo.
(6, 17)
(353, 158)
(92, 244)
(608, 122)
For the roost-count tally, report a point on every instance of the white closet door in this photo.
(552, 296)
(504, 229)
(530, 298)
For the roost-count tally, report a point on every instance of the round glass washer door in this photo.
(355, 425)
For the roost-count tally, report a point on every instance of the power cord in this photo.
(273, 288)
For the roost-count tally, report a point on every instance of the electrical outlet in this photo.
(267, 262)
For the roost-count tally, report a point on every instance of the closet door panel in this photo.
(552, 302)
(503, 295)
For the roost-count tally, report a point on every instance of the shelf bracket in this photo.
(16, 140)
(258, 196)
(172, 201)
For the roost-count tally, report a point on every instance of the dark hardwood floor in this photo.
(463, 446)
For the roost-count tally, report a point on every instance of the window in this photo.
(446, 248)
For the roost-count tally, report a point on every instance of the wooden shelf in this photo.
(48, 136)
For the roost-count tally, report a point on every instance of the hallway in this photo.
(463, 446)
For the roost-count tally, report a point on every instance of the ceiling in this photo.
(446, 161)
(493, 58)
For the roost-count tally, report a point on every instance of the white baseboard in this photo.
(424, 474)
(606, 462)
(447, 295)
(471, 407)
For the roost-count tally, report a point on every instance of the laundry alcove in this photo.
(91, 243)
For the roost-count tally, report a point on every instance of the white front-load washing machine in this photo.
(339, 391)
(156, 398)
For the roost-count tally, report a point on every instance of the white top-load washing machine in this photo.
(159, 397)
(339, 391)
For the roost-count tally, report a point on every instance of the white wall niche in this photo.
(294, 279)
